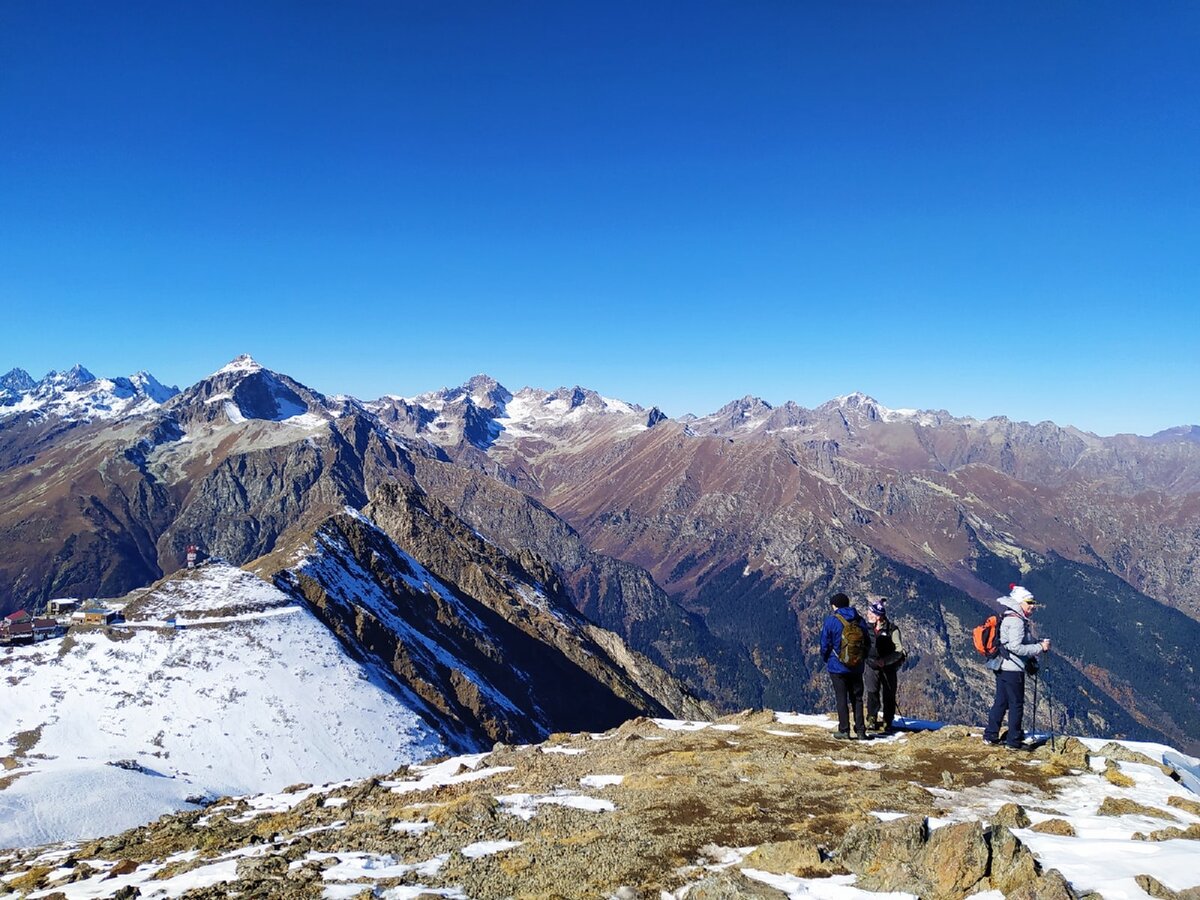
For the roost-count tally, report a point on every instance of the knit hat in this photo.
(1016, 596)
(878, 608)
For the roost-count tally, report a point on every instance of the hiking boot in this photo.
(1018, 748)
(842, 736)
(873, 725)
(862, 736)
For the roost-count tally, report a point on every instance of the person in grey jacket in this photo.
(1018, 655)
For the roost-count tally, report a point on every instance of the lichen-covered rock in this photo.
(1191, 833)
(1120, 806)
(1061, 827)
(733, 886)
(1072, 752)
(1013, 865)
(799, 858)
(1049, 886)
(884, 855)
(955, 860)
(1160, 891)
(1189, 806)
(1011, 815)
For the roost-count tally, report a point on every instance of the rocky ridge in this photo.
(756, 805)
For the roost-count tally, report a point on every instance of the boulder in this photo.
(1061, 827)
(1120, 806)
(1050, 886)
(798, 858)
(1013, 865)
(1157, 889)
(1190, 806)
(955, 860)
(1011, 815)
(733, 886)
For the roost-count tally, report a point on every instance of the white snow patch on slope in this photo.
(249, 706)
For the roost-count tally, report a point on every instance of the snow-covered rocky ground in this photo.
(252, 694)
(559, 800)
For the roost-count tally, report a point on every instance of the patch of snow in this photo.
(600, 781)
(834, 887)
(243, 363)
(374, 866)
(488, 848)
(456, 770)
(524, 806)
(818, 721)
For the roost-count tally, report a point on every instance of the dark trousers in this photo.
(1010, 696)
(880, 685)
(847, 689)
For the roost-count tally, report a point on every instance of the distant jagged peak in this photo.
(746, 407)
(17, 380)
(872, 410)
(241, 364)
(481, 391)
(78, 395)
(147, 384)
(71, 380)
(857, 400)
(486, 392)
(740, 415)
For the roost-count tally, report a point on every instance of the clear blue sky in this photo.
(988, 208)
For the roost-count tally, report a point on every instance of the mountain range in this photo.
(695, 555)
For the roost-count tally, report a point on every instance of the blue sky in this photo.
(991, 209)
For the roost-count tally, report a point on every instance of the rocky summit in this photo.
(756, 804)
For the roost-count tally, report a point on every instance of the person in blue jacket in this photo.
(844, 649)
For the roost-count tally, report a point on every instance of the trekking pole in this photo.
(1033, 723)
(888, 685)
(1050, 714)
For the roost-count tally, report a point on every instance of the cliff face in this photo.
(486, 643)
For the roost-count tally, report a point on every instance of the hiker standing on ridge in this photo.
(1018, 655)
(843, 648)
(885, 656)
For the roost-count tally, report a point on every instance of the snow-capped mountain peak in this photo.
(244, 363)
(78, 395)
(244, 390)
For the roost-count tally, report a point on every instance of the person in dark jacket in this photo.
(885, 656)
(1018, 655)
(847, 678)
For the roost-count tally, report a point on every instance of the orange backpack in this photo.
(987, 636)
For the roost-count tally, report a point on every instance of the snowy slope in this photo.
(252, 695)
